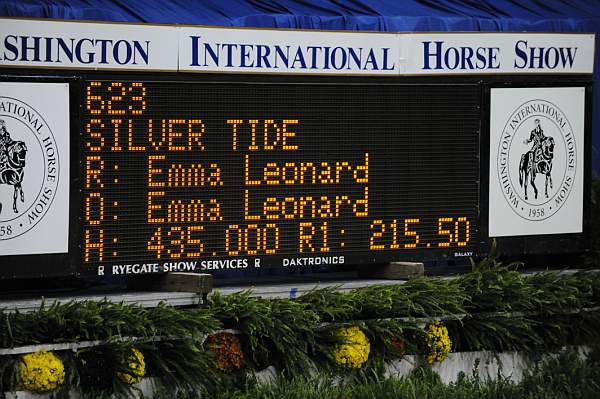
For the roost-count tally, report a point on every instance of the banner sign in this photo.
(497, 53)
(84, 45)
(63, 44)
(34, 168)
(536, 161)
(287, 51)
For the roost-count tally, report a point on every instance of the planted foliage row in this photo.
(494, 307)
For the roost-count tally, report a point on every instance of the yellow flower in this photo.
(138, 368)
(41, 371)
(354, 352)
(438, 342)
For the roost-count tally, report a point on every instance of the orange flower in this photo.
(227, 350)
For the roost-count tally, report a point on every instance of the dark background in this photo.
(422, 141)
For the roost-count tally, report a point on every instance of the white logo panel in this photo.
(34, 168)
(536, 161)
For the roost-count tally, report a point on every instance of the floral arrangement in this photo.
(137, 367)
(227, 350)
(354, 351)
(438, 342)
(41, 371)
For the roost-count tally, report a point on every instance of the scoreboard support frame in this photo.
(63, 265)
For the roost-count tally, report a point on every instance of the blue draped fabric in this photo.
(357, 15)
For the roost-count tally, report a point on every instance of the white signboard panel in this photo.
(287, 51)
(536, 161)
(34, 168)
(497, 53)
(82, 45)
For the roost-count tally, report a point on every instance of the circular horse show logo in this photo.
(537, 160)
(29, 167)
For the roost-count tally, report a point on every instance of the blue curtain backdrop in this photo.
(357, 15)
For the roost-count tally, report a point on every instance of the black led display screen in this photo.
(235, 175)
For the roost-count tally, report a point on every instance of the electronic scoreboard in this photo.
(267, 173)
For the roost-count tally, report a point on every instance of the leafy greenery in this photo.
(508, 310)
(90, 320)
(418, 297)
(278, 332)
(494, 307)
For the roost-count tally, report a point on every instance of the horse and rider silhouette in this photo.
(537, 160)
(12, 164)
